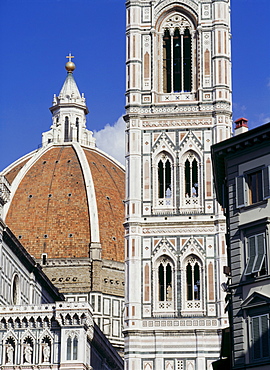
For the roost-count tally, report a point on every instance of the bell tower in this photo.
(178, 105)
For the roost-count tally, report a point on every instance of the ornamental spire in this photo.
(69, 112)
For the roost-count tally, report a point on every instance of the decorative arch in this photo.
(72, 347)
(164, 179)
(27, 350)
(162, 13)
(164, 284)
(177, 46)
(193, 278)
(46, 349)
(191, 180)
(9, 352)
(46, 346)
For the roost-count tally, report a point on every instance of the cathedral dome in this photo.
(67, 197)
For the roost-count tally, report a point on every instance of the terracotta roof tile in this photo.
(49, 210)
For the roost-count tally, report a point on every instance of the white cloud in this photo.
(263, 118)
(111, 139)
(240, 108)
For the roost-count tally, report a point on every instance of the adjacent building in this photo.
(242, 179)
(178, 104)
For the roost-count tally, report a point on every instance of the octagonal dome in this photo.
(65, 198)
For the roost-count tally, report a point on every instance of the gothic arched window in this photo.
(66, 137)
(193, 283)
(164, 179)
(72, 348)
(191, 177)
(165, 280)
(75, 348)
(69, 348)
(177, 60)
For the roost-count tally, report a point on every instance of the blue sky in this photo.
(36, 35)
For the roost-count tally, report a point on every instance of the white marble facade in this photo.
(178, 105)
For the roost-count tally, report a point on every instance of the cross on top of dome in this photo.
(70, 66)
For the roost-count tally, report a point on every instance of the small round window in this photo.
(15, 290)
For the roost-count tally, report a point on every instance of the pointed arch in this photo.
(192, 276)
(28, 350)
(164, 284)
(178, 50)
(75, 348)
(69, 344)
(10, 351)
(191, 180)
(72, 348)
(164, 179)
(46, 349)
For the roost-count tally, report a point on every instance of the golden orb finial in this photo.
(70, 66)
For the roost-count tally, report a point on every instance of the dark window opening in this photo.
(167, 62)
(77, 128)
(44, 259)
(187, 178)
(254, 181)
(177, 61)
(160, 180)
(189, 282)
(187, 60)
(191, 178)
(193, 281)
(66, 137)
(164, 179)
(165, 282)
(177, 72)
(161, 282)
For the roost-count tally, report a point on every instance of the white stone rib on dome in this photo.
(90, 191)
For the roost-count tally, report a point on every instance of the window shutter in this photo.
(265, 336)
(251, 255)
(256, 337)
(260, 255)
(241, 192)
(260, 337)
(266, 182)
